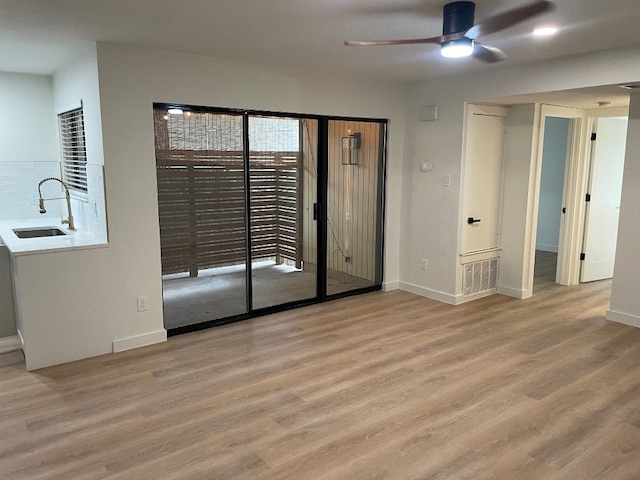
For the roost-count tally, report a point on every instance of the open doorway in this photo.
(556, 149)
(579, 194)
(521, 201)
(560, 182)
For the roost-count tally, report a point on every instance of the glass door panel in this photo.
(282, 182)
(354, 240)
(202, 211)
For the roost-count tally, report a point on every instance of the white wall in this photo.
(27, 125)
(74, 84)
(520, 188)
(554, 156)
(28, 145)
(430, 212)
(625, 301)
(131, 79)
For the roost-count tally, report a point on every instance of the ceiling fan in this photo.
(459, 33)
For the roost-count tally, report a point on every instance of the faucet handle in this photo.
(69, 221)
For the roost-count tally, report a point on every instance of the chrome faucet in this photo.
(69, 221)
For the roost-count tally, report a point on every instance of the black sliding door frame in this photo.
(247, 213)
(322, 149)
(323, 173)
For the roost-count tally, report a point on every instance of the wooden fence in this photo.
(201, 199)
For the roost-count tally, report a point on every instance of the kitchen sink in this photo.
(38, 232)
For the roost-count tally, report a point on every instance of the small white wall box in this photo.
(429, 113)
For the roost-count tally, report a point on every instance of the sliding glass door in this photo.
(354, 204)
(201, 205)
(260, 211)
(282, 186)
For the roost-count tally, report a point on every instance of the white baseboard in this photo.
(389, 286)
(9, 344)
(514, 292)
(547, 248)
(460, 299)
(428, 293)
(625, 318)
(122, 344)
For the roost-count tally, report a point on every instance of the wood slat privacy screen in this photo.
(201, 193)
(73, 149)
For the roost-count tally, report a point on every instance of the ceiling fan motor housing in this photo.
(458, 17)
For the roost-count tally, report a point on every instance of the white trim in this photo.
(428, 293)
(389, 286)
(514, 292)
(573, 192)
(478, 252)
(625, 318)
(21, 338)
(122, 344)
(460, 299)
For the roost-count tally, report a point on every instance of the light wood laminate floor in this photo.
(379, 386)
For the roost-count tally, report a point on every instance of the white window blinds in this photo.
(74, 151)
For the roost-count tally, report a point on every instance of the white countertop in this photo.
(29, 246)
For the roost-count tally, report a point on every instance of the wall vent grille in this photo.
(480, 277)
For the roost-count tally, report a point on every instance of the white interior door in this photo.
(605, 187)
(484, 149)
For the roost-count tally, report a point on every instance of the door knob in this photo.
(472, 220)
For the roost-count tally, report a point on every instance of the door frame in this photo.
(574, 184)
(575, 187)
(478, 109)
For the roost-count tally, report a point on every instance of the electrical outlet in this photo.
(424, 264)
(142, 304)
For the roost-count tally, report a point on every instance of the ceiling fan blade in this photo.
(435, 40)
(488, 54)
(509, 18)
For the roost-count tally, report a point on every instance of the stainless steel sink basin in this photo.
(38, 232)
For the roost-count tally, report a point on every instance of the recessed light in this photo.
(545, 31)
(175, 111)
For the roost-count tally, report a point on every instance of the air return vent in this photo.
(480, 277)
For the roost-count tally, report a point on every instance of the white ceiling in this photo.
(37, 36)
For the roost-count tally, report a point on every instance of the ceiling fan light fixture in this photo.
(545, 31)
(459, 48)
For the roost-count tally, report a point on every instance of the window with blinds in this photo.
(74, 151)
